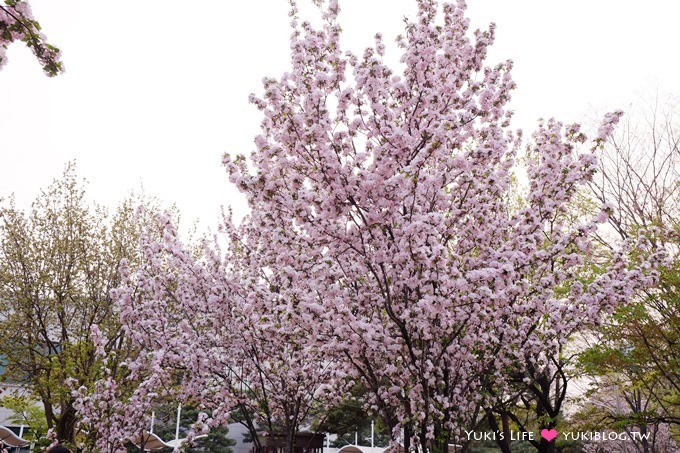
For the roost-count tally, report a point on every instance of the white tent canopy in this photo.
(362, 449)
(151, 442)
(10, 439)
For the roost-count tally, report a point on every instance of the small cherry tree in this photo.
(212, 331)
(380, 201)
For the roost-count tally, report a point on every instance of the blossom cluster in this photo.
(17, 24)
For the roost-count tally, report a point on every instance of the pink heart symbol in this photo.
(549, 434)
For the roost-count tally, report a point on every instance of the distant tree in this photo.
(349, 418)
(58, 264)
(634, 358)
(17, 24)
(217, 440)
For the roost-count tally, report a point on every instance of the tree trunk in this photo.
(643, 436)
(547, 447)
(504, 443)
(49, 413)
(442, 437)
(66, 424)
(407, 439)
(290, 440)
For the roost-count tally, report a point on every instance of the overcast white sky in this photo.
(156, 90)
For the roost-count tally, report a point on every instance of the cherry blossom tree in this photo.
(379, 199)
(381, 248)
(212, 333)
(17, 24)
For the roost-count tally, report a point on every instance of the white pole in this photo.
(21, 430)
(356, 438)
(179, 412)
(372, 434)
(153, 417)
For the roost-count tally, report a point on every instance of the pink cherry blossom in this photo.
(17, 24)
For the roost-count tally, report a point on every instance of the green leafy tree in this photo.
(58, 263)
(349, 421)
(26, 413)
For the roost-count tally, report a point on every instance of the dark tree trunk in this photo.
(66, 424)
(407, 438)
(546, 447)
(504, 443)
